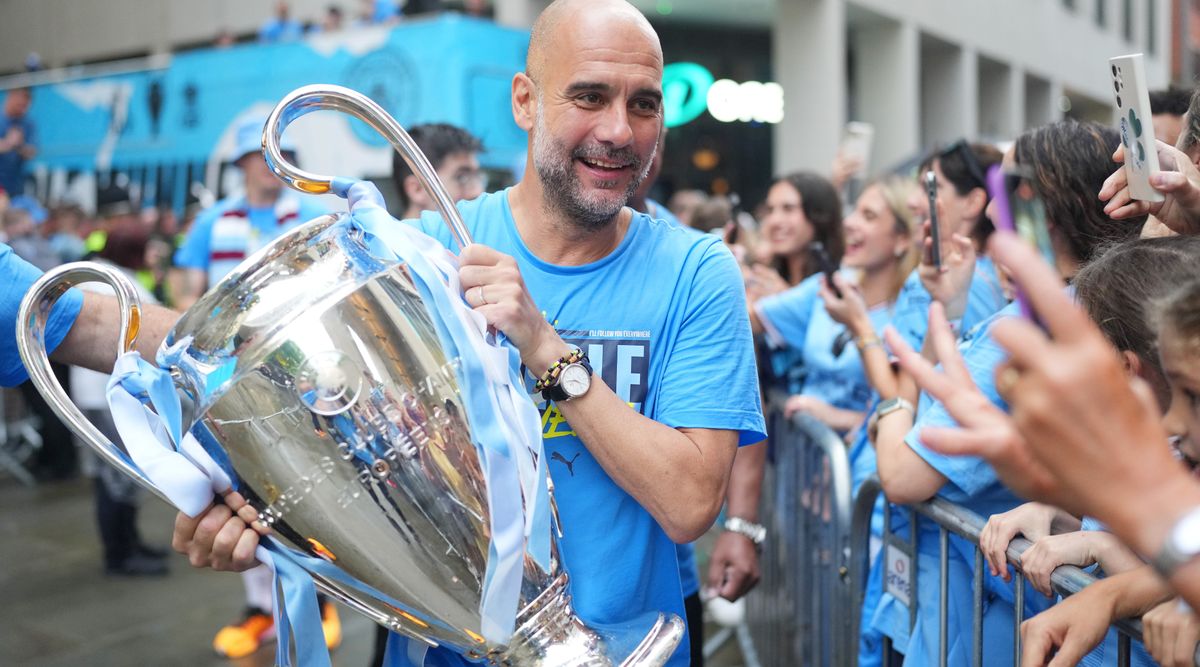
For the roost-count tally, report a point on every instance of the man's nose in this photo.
(614, 127)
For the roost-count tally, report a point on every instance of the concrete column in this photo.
(519, 13)
(808, 46)
(1056, 95)
(969, 92)
(949, 92)
(887, 66)
(1016, 102)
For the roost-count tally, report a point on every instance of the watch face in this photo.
(575, 380)
(1186, 534)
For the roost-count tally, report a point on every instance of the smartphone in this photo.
(1019, 210)
(935, 232)
(1134, 121)
(856, 142)
(826, 265)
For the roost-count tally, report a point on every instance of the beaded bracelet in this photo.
(551, 374)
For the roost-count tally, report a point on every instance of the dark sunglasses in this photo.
(963, 149)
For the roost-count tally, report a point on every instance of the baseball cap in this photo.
(248, 138)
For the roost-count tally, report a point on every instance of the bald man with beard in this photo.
(660, 387)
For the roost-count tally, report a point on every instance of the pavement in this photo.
(60, 609)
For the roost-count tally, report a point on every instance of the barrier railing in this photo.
(953, 519)
(800, 612)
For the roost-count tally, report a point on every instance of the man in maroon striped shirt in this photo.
(237, 226)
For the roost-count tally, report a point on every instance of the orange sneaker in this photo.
(242, 639)
(331, 625)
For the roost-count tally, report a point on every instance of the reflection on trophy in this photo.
(320, 382)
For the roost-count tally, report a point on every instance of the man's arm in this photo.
(733, 566)
(678, 475)
(92, 340)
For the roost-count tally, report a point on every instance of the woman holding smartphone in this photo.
(879, 241)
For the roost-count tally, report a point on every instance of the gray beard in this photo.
(564, 191)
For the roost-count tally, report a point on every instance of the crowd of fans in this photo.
(1080, 431)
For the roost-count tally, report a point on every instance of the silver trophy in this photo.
(318, 380)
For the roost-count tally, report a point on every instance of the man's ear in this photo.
(524, 101)
(413, 190)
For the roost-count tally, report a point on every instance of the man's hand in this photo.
(492, 285)
(223, 537)
(733, 566)
(1178, 180)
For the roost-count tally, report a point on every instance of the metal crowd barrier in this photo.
(19, 437)
(951, 518)
(800, 613)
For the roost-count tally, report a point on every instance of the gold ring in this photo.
(1007, 379)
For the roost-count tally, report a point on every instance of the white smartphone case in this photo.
(1135, 124)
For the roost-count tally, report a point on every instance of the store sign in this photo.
(690, 89)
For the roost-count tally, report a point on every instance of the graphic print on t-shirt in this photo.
(621, 358)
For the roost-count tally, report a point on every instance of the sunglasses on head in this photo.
(963, 150)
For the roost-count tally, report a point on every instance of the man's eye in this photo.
(649, 106)
(590, 98)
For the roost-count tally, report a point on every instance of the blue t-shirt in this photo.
(663, 320)
(12, 163)
(16, 277)
(797, 318)
(973, 484)
(689, 576)
(216, 243)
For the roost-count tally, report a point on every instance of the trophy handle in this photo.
(31, 344)
(327, 96)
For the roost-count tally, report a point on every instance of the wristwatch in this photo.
(570, 377)
(1182, 545)
(756, 533)
(893, 404)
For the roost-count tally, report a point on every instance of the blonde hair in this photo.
(896, 192)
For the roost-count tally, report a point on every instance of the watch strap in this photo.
(553, 390)
(893, 404)
(1174, 555)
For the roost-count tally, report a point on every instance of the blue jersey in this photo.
(16, 277)
(230, 231)
(797, 318)
(986, 296)
(663, 321)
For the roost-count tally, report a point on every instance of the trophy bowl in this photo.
(320, 380)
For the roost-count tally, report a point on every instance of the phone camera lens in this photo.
(1119, 102)
(1116, 86)
(1114, 69)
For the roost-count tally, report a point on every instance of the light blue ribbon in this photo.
(178, 466)
(502, 466)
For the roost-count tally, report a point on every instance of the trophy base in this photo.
(551, 635)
